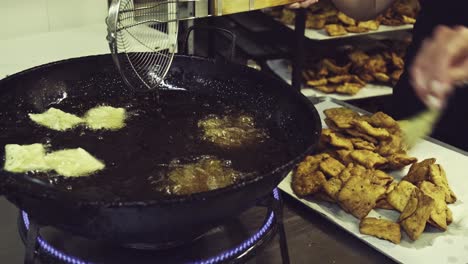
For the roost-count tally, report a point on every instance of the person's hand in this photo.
(440, 65)
(302, 4)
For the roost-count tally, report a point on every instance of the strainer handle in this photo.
(219, 30)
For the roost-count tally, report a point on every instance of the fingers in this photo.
(441, 61)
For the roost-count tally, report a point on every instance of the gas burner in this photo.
(54, 246)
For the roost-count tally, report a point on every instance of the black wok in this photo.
(167, 219)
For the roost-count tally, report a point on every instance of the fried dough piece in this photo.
(341, 117)
(390, 146)
(414, 217)
(383, 204)
(371, 24)
(357, 80)
(397, 61)
(381, 228)
(316, 22)
(419, 171)
(398, 198)
(346, 19)
(381, 77)
(332, 67)
(360, 143)
(351, 170)
(335, 30)
(359, 134)
(375, 64)
(365, 127)
(359, 196)
(366, 77)
(348, 88)
(331, 167)
(307, 184)
(340, 79)
(368, 158)
(439, 178)
(332, 187)
(358, 58)
(318, 82)
(56, 119)
(343, 156)
(356, 29)
(73, 162)
(307, 179)
(326, 89)
(408, 20)
(398, 161)
(396, 75)
(381, 178)
(380, 119)
(337, 140)
(25, 158)
(106, 117)
(439, 214)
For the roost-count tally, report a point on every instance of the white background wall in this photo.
(25, 17)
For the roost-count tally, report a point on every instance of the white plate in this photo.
(449, 247)
(280, 68)
(321, 34)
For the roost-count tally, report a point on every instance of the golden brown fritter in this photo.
(414, 217)
(381, 228)
(368, 159)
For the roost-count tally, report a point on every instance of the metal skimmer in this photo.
(142, 36)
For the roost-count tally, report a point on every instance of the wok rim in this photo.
(196, 196)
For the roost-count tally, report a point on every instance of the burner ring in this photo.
(238, 250)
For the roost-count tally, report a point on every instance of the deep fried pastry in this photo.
(360, 143)
(358, 58)
(368, 158)
(335, 30)
(326, 88)
(357, 80)
(340, 78)
(337, 140)
(365, 127)
(381, 228)
(356, 29)
(381, 77)
(390, 146)
(416, 213)
(341, 117)
(332, 187)
(332, 67)
(383, 204)
(331, 167)
(397, 61)
(346, 19)
(316, 22)
(408, 20)
(400, 195)
(375, 64)
(366, 77)
(371, 24)
(380, 119)
(343, 156)
(419, 171)
(307, 184)
(318, 82)
(359, 134)
(351, 170)
(398, 161)
(349, 88)
(439, 178)
(380, 177)
(439, 214)
(359, 196)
